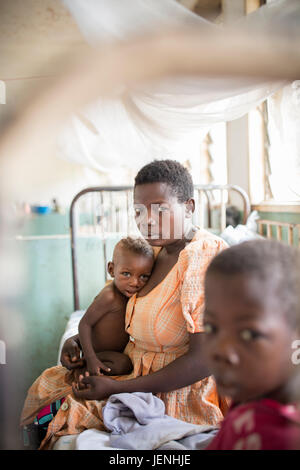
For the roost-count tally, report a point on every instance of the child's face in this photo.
(130, 271)
(160, 217)
(247, 342)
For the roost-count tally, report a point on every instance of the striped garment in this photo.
(33, 434)
(159, 325)
(48, 413)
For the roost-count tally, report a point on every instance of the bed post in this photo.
(74, 253)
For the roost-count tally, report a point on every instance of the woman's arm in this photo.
(183, 371)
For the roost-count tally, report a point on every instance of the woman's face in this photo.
(247, 342)
(160, 217)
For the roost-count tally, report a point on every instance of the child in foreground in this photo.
(102, 332)
(251, 319)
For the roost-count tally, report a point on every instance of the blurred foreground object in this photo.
(102, 72)
(107, 69)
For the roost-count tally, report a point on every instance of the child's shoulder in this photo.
(272, 409)
(263, 424)
(108, 295)
(264, 411)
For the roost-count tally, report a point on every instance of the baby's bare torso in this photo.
(109, 334)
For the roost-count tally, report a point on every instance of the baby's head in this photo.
(132, 263)
(252, 317)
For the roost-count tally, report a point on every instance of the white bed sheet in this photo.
(91, 439)
(71, 329)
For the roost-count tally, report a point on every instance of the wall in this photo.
(47, 299)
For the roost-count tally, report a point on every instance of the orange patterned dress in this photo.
(159, 325)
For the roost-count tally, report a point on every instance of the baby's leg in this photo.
(119, 363)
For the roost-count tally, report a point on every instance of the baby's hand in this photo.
(70, 354)
(94, 366)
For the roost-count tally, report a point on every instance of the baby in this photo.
(251, 319)
(102, 332)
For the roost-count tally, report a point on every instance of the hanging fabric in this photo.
(165, 119)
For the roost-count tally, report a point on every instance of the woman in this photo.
(164, 319)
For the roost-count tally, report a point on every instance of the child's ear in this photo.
(110, 268)
(189, 207)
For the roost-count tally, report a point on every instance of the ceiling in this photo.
(208, 9)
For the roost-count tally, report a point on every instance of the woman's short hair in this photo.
(275, 264)
(170, 172)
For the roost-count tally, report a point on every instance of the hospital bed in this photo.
(107, 214)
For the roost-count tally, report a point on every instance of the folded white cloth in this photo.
(138, 421)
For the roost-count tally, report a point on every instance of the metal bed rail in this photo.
(108, 214)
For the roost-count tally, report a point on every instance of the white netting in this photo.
(165, 119)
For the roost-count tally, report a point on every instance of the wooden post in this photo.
(290, 234)
(279, 232)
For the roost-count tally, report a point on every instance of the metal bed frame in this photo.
(205, 197)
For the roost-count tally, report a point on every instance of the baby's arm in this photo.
(94, 313)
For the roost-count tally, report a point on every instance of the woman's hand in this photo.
(95, 387)
(70, 354)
